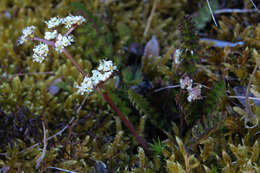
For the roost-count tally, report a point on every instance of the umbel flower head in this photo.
(63, 41)
(28, 32)
(60, 41)
(103, 73)
(194, 93)
(40, 52)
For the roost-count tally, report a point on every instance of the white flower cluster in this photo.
(63, 41)
(40, 52)
(105, 70)
(27, 32)
(50, 35)
(67, 21)
(186, 83)
(177, 56)
(194, 93)
(53, 22)
(72, 20)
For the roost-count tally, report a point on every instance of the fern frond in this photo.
(139, 102)
(214, 96)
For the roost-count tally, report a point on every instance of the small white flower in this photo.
(72, 20)
(106, 66)
(27, 32)
(106, 76)
(177, 56)
(186, 82)
(53, 22)
(40, 52)
(194, 93)
(38, 58)
(96, 77)
(50, 35)
(62, 41)
(189, 98)
(86, 86)
(41, 49)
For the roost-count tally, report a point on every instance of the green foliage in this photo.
(214, 96)
(132, 78)
(140, 103)
(157, 146)
(189, 45)
(122, 105)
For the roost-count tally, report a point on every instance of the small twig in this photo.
(82, 104)
(177, 86)
(51, 137)
(249, 113)
(221, 43)
(59, 132)
(40, 159)
(148, 24)
(23, 74)
(243, 97)
(212, 15)
(75, 122)
(167, 87)
(220, 11)
(255, 6)
(60, 169)
(204, 86)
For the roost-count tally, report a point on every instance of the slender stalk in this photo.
(227, 10)
(74, 62)
(249, 114)
(129, 125)
(51, 43)
(150, 17)
(71, 30)
(40, 159)
(255, 6)
(212, 15)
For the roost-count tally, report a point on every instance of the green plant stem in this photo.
(142, 142)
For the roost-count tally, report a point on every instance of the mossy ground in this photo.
(206, 135)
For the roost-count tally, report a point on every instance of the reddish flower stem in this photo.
(51, 43)
(127, 123)
(74, 62)
(71, 30)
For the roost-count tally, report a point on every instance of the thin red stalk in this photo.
(74, 62)
(129, 125)
(51, 43)
(71, 30)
